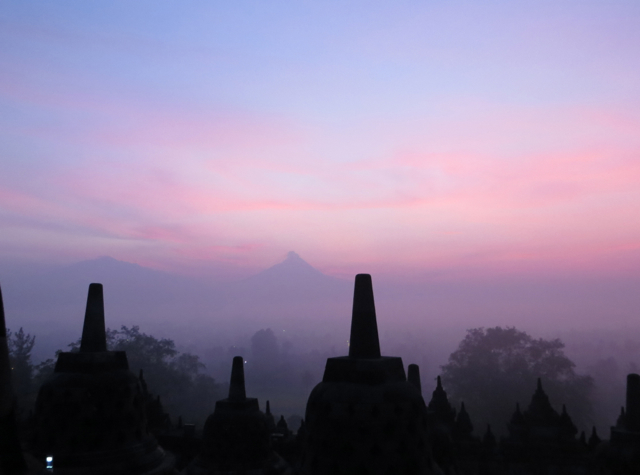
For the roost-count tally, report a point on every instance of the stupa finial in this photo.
(414, 376)
(236, 386)
(364, 342)
(94, 335)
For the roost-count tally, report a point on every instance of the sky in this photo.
(412, 138)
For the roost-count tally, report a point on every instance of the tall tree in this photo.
(173, 375)
(22, 369)
(494, 368)
(176, 377)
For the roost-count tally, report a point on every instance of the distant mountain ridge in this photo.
(292, 272)
(166, 304)
(105, 264)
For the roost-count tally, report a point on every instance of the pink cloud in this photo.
(470, 191)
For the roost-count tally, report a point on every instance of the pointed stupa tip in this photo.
(94, 335)
(3, 326)
(539, 388)
(11, 456)
(364, 342)
(6, 389)
(268, 411)
(414, 376)
(236, 386)
(439, 383)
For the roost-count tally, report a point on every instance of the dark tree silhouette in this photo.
(494, 368)
(22, 369)
(20, 346)
(174, 376)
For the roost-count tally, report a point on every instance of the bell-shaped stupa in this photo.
(365, 417)
(236, 436)
(90, 417)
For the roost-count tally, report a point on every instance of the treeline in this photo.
(178, 378)
(491, 370)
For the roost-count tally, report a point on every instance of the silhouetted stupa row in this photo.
(93, 417)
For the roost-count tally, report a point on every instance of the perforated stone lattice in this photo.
(77, 413)
(354, 432)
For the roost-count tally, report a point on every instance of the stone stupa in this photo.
(235, 439)
(90, 416)
(365, 417)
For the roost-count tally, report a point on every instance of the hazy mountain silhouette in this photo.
(292, 267)
(290, 295)
(125, 284)
(293, 297)
(108, 268)
(51, 303)
(293, 277)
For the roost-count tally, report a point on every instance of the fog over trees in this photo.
(287, 320)
(491, 370)
(495, 368)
